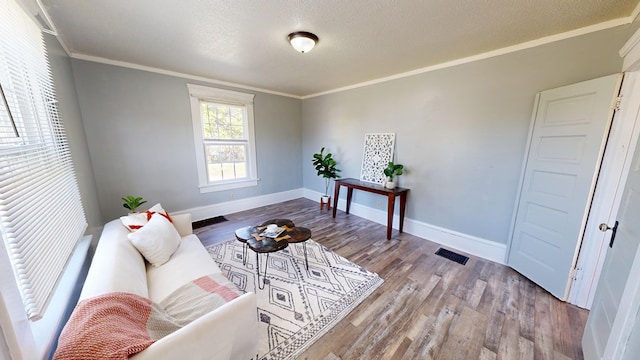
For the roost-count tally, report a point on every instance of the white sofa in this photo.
(228, 332)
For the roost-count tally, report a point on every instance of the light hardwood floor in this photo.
(428, 307)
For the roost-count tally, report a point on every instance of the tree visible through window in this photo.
(225, 141)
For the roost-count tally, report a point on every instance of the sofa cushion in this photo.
(117, 265)
(188, 263)
(157, 240)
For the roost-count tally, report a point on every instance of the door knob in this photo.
(604, 227)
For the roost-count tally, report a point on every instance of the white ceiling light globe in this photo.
(303, 41)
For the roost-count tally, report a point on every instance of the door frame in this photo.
(618, 161)
(629, 303)
(615, 166)
(625, 317)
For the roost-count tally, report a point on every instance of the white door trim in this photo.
(623, 323)
(613, 173)
(629, 303)
(594, 250)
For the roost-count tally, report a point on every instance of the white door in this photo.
(566, 144)
(612, 320)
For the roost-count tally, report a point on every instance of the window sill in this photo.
(228, 185)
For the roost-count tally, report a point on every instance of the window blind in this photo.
(41, 214)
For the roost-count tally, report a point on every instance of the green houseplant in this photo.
(326, 167)
(390, 171)
(132, 202)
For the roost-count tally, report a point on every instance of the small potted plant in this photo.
(326, 167)
(132, 203)
(391, 171)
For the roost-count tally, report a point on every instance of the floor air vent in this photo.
(207, 222)
(460, 259)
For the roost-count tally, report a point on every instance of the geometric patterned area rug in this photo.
(296, 306)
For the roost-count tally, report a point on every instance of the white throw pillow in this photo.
(157, 240)
(136, 221)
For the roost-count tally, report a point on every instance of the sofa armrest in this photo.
(229, 332)
(183, 224)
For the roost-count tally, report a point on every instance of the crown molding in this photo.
(176, 74)
(506, 50)
(503, 51)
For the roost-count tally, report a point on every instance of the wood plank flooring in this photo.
(428, 307)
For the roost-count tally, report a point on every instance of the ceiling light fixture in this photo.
(302, 41)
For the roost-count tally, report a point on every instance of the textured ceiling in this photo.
(244, 41)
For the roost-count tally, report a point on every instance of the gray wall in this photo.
(140, 135)
(70, 112)
(460, 132)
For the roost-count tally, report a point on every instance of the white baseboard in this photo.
(473, 245)
(230, 207)
(470, 244)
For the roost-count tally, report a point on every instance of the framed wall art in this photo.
(378, 151)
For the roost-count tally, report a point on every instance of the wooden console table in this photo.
(391, 194)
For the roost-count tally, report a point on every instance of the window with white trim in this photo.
(223, 131)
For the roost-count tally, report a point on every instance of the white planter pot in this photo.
(390, 185)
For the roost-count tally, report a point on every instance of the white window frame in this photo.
(199, 93)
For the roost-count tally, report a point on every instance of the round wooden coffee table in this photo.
(293, 234)
(248, 232)
(250, 237)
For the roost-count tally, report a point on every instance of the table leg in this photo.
(349, 194)
(244, 253)
(306, 261)
(264, 277)
(391, 202)
(403, 205)
(336, 193)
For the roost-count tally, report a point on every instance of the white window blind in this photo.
(41, 214)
